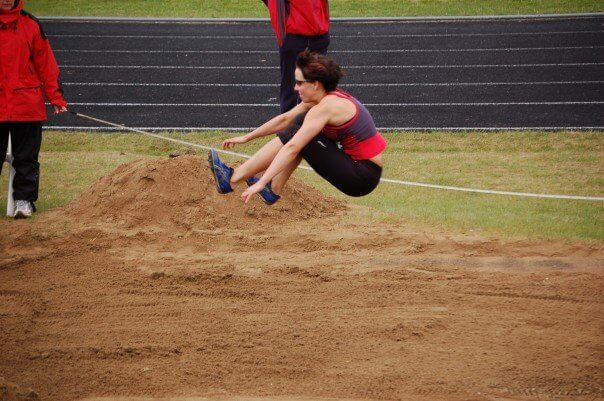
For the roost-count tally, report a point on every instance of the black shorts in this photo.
(352, 177)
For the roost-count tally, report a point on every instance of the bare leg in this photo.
(258, 162)
(278, 181)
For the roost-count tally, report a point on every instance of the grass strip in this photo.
(339, 8)
(541, 162)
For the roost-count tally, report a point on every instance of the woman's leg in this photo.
(279, 181)
(258, 162)
(264, 157)
(352, 177)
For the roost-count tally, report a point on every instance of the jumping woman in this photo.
(330, 129)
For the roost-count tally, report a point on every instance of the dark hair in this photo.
(317, 67)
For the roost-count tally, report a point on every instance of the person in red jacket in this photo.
(298, 25)
(28, 73)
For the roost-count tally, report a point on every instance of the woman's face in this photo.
(304, 88)
(7, 5)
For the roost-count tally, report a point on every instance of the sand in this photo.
(151, 286)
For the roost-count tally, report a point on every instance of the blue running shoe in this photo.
(267, 194)
(222, 173)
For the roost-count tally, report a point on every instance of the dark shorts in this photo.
(352, 177)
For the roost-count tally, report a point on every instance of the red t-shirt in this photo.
(299, 17)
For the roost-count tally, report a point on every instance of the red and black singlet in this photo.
(359, 137)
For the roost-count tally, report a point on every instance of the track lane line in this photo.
(407, 129)
(272, 51)
(251, 67)
(344, 85)
(272, 37)
(111, 104)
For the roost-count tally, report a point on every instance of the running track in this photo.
(521, 73)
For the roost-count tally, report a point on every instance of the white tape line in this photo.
(381, 129)
(255, 67)
(484, 191)
(271, 37)
(493, 192)
(366, 104)
(272, 51)
(336, 20)
(160, 136)
(344, 85)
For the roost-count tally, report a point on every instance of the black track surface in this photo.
(514, 73)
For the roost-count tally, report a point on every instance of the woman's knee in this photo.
(288, 133)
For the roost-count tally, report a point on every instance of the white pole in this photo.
(10, 202)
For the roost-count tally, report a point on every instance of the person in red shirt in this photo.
(298, 25)
(28, 74)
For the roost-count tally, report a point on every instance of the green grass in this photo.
(561, 163)
(339, 8)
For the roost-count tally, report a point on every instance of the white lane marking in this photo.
(253, 67)
(595, 128)
(272, 37)
(366, 104)
(491, 191)
(344, 86)
(337, 20)
(382, 129)
(503, 49)
(399, 182)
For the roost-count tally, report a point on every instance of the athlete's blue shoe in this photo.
(267, 194)
(222, 173)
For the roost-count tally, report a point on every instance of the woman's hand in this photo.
(229, 143)
(250, 191)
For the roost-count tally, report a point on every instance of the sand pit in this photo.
(151, 286)
(12, 392)
(178, 191)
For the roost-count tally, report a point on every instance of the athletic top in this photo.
(359, 137)
(298, 17)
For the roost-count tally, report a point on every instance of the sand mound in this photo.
(12, 392)
(181, 191)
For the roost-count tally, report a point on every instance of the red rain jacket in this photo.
(299, 17)
(28, 69)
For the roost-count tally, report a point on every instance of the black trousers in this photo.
(352, 177)
(26, 139)
(288, 54)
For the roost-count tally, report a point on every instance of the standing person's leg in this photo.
(4, 132)
(292, 46)
(319, 44)
(26, 139)
(288, 54)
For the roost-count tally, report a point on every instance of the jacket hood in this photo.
(10, 16)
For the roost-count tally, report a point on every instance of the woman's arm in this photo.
(313, 124)
(47, 70)
(272, 126)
